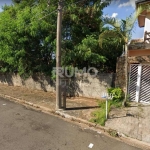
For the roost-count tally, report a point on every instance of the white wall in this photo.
(147, 23)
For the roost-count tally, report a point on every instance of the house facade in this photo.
(141, 47)
(138, 61)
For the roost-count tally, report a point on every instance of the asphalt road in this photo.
(22, 128)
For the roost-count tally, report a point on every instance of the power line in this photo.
(63, 8)
(44, 11)
(48, 14)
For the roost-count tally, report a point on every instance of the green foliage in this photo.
(117, 94)
(80, 35)
(99, 116)
(28, 37)
(27, 43)
(120, 29)
(113, 133)
(111, 49)
(115, 104)
(85, 54)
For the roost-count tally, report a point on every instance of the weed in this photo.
(117, 93)
(99, 116)
(113, 133)
(127, 102)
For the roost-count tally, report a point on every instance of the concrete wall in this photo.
(39, 82)
(81, 85)
(87, 86)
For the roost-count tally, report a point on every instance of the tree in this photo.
(28, 35)
(121, 30)
(81, 23)
(27, 42)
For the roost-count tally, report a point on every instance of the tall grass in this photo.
(99, 116)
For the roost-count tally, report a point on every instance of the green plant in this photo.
(99, 116)
(113, 133)
(115, 104)
(117, 94)
(127, 102)
(53, 75)
(122, 31)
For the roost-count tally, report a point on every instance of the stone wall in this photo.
(81, 85)
(120, 73)
(139, 59)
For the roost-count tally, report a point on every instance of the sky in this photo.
(3, 2)
(118, 8)
(121, 9)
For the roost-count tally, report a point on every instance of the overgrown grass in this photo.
(99, 116)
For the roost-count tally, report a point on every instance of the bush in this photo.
(117, 93)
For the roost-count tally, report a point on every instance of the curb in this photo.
(57, 112)
(121, 137)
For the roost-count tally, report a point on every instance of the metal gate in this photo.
(145, 84)
(133, 81)
(139, 83)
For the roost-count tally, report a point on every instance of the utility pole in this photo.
(58, 54)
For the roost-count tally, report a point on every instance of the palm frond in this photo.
(115, 23)
(111, 21)
(109, 34)
(132, 19)
(121, 28)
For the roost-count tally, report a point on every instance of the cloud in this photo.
(106, 16)
(129, 3)
(114, 15)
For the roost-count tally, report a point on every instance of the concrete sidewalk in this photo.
(132, 121)
(78, 107)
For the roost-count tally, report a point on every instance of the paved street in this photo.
(22, 128)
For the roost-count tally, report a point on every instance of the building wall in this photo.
(120, 80)
(139, 52)
(147, 23)
(139, 59)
